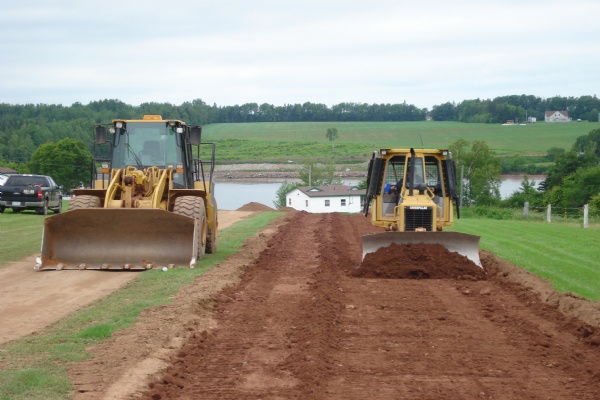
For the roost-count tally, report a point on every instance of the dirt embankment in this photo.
(295, 320)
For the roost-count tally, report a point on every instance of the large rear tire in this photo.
(84, 201)
(193, 207)
(43, 210)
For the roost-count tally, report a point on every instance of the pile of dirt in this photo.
(418, 261)
(253, 206)
(287, 209)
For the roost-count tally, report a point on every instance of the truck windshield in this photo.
(146, 144)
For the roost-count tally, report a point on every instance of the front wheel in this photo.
(84, 201)
(58, 209)
(193, 207)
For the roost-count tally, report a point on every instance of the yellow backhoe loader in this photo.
(412, 193)
(150, 203)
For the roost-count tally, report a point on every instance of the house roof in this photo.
(6, 170)
(549, 113)
(332, 190)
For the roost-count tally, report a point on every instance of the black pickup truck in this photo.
(30, 192)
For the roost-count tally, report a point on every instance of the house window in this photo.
(290, 201)
(343, 202)
(326, 203)
(306, 203)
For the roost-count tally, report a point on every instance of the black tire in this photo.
(84, 201)
(212, 236)
(193, 207)
(43, 210)
(58, 209)
(2, 209)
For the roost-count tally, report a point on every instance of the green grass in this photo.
(22, 234)
(285, 140)
(566, 254)
(33, 367)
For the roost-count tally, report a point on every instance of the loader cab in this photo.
(144, 144)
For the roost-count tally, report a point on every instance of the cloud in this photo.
(280, 52)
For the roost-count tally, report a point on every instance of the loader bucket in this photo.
(461, 243)
(103, 238)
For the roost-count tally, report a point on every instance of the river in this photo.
(233, 195)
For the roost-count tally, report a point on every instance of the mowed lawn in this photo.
(566, 254)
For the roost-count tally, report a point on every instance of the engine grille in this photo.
(421, 217)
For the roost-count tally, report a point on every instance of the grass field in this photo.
(365, 136)
(566, 254)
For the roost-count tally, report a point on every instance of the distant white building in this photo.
(325, 199)
(557, 116)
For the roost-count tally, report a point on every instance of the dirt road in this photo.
(288, 318)
(31, 300)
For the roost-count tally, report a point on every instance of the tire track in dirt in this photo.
(301, 326)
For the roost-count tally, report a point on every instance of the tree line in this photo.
(572, 181)
(24, 128)
(516, 108)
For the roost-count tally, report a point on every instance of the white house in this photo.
(324, 199)
(557, 116)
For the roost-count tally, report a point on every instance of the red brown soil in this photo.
(285, 318)
(299, 325)
(254, 206)
(418, 261)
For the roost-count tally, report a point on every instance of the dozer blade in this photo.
(133, 239)
(461, 243)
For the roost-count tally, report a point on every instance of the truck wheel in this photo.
(84, 201)
(44, 209)
(2, 209)
(193, 207)
(58, 209)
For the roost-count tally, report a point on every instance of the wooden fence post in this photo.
(549, 214)
(526, 210)
(585, 215)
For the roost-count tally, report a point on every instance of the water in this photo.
(233, 195)
(512, 183)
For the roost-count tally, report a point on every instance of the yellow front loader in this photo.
(150, 204)
(411, 194)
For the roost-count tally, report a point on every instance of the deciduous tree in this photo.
(481, 184)
(68, 161)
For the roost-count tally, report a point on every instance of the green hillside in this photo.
(356, 140)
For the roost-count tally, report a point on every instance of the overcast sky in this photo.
(284, 52)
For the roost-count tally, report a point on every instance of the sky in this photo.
(232, 52)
